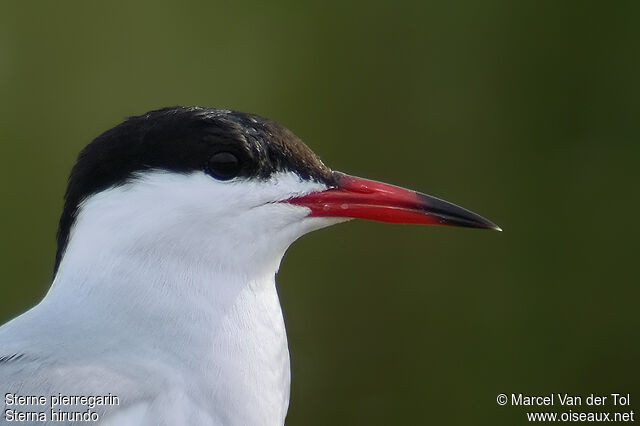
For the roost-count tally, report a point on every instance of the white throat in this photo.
(184, 266)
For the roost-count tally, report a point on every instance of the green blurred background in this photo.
(526, 112)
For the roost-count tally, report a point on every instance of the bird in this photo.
(163, 307)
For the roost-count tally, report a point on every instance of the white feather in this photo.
(166, 297)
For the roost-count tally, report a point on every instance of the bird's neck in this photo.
(179, 297)
(165, 292)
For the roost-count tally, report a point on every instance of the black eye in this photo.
(224, 165)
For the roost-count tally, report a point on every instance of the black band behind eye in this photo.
(224, 165)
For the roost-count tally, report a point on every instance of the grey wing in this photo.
(121, 396)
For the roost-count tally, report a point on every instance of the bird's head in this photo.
(199, 181)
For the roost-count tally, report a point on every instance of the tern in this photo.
(163, 306)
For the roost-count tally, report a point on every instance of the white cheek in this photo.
(194, 215)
